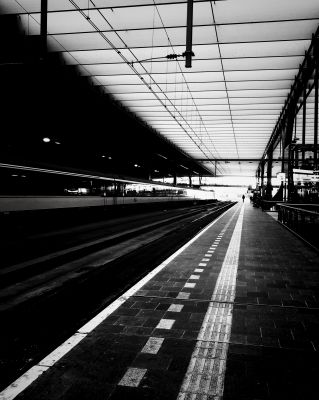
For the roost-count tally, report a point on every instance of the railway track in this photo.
(39, 309)
(107, 237)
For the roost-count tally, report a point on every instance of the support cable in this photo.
(134, 68)
(188, 89)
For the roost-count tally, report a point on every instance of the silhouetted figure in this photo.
(243, 197)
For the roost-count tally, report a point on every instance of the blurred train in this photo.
(27, 188)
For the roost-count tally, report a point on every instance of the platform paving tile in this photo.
(267, 373)
(273, 352)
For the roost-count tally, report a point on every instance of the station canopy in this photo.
(223, 109)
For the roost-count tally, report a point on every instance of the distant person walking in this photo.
(243, 197)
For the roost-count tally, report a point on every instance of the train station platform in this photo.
(233, 314)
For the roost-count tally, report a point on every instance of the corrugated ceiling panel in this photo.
(227, 105)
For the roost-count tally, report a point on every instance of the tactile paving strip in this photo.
(206, 372)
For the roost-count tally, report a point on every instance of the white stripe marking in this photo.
(198, 270)
(205, 259)
(175, 308)
(205, 374)
(183, 296)
(132, 377)
(190, 285)
(33, 373)
(58, 353)
(202, 264)
(194, 277)
(153, 345)
(165, 323)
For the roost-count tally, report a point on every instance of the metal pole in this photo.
(283, 166)
(290, 173)
(189, 35)
(262, 178)
(296, 158)
(44, 27)
(304, 116)
(269, 172)
(315, 141)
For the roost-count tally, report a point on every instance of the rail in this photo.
(39, 265)
(302, 221)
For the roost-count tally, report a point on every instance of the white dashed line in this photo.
(198, 270)
(183, 295)
(202, 264)
(205, 259)
(190, 285)
(206, 371)
(165, 324)
(153, 345)
(132, 377)
(194, 277)
(175, 308)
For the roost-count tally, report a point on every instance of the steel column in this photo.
(44, 28)
(304, 116)
(290, 173)
(189, 35)
(269, 173)
(316, 77)
(282, 154)
(262, 178)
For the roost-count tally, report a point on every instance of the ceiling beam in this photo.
(289, 110)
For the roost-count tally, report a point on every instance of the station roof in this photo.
(221, 111)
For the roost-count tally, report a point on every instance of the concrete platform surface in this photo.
(233, 315)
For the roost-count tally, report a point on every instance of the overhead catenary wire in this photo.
(147, 28)
(165, 59)
(37, 22)
(181, 45)
(116, 48)
(181, 71)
